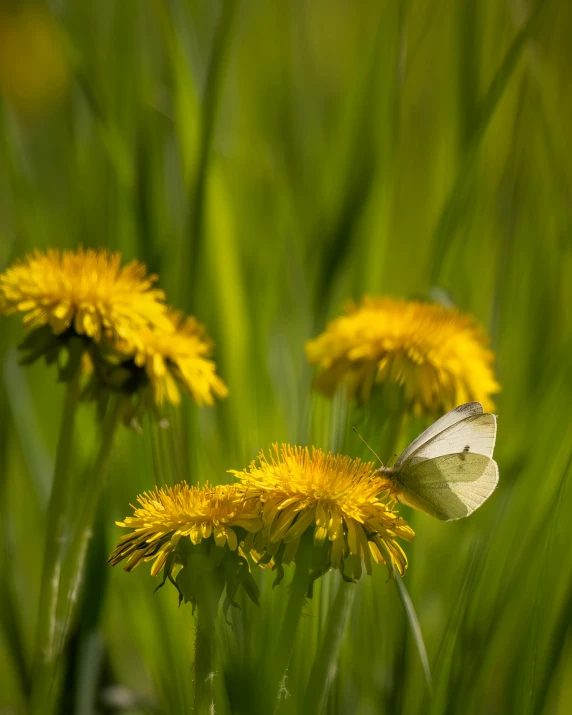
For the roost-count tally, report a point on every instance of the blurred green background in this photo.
(270, 160)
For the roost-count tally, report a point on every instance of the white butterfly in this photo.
(448, 471)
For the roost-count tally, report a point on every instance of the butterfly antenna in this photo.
(367, 445)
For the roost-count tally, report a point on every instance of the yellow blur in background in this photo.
(34, 71)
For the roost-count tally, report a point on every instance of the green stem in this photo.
(297, 596)
(204, 661)
(411, 614)
(74, 572)
(42, 699)
(159, 465)
(395, 412)
(392, 435)
(9, 626)
(325, 662)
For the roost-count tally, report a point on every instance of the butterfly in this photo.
(448, 471)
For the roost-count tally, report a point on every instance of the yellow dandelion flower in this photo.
(167, 360)
(86, 292)
(439, 356)
(336, 495)
(169, 514)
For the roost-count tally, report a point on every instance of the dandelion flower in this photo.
(439, 356)
(85, 292)
(179, 357)
(169, 514)
(183, 526)
(334, 495)
(132, 342)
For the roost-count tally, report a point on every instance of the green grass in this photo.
(270, 160)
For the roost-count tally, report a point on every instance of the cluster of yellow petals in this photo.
(118, 308)
(167, 515)
(337, 495)
(180, 358)
(438, 355)
(275, 501)
(85, 289)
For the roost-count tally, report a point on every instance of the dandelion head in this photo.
(115, 318)
(192, 530)
(179, 358)
(336, 497)
(168, 515)
(438, 356)
(85, 293)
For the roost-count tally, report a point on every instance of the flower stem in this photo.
(325, 662)
(45, 663)
(394, 418)
(204, 661)
(297, 596)
(75, 562)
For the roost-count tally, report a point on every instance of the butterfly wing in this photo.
(475, 434)
(448, 487)
(451, 418)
